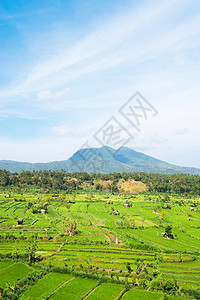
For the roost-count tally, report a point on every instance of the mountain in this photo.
(102, 160)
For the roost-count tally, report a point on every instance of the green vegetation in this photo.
(46, 285)
(183, 184)
(104, 160)
(10, 274)
(75, 289)
(177, 298)
(141, 295)
(90, 241)
(106, 291)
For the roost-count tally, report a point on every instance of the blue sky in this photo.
(66, 67)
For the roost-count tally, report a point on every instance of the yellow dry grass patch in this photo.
(131, 186)
(105, 183)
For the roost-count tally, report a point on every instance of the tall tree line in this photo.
(61, 180)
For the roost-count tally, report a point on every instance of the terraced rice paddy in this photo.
(12, 272)
(45, 286)
(141, 295)
(107, 291)
(102, 244)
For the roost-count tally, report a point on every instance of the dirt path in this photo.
(96, 228)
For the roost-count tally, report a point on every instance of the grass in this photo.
(75, 289)
(12, 273)
(93, 248)
(106, 291)
(46, 285)
(141, 295)
(177, 298)
(5, 264)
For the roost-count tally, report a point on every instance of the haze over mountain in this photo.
(102, 160)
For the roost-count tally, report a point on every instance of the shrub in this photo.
(156, 285)
(170, 286)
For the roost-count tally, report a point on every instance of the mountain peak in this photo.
(103, 160)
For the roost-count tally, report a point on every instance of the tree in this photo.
(128, 266)
(141, 267)
(31, 250)
(168, 231)
(170, 286)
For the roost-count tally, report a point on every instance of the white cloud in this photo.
(181, 131)
(154, 49)
(41, 150)
(47, 94)
(25, 96)
(135, 36)
(61, 93)
(62, 130)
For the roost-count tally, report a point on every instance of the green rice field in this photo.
(83, 250)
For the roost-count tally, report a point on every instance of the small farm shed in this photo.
(42, 211)
(168, 236)
(20, 221)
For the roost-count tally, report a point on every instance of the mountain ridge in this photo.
(103, 160)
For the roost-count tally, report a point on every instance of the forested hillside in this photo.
(114, 182)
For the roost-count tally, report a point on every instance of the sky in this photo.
(69, 67)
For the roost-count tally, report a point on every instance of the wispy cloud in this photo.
(5, 16)
(151, 46)
(56, 95)
(62, 130)
(133, 37)
(181, 131)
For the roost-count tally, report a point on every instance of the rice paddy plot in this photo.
(75, 289)
(11, 274)
(46, 285)
(106, 291)
(141, 295)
